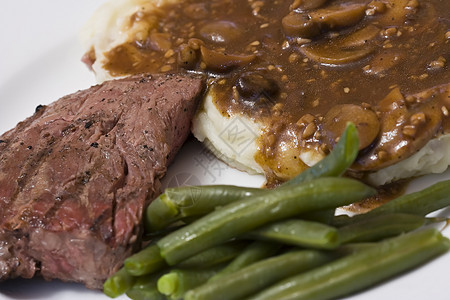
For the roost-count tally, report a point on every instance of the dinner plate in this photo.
(40, 62)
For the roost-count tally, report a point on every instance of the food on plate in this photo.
(286, 76)
(192, 201)
(297, 232)
(76, 176)
(361, 250)
(246, 214)
(261, 274)
(186, 202)
(363, 269)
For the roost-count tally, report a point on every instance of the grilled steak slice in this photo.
(76, 176)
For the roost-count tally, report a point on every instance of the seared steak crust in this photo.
(76, 176)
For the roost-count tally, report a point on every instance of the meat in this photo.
(76, 176)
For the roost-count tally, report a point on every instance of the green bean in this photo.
(191, 201)
(253, 278)
(420, 203)
(253, 253)
(149, 260)
(298, 232)
(145, 294)
(351, 248)
(245, 215)
(145, 261)
(322, 216)
(145, 288)
(379, 227)
(360, 270)
(118, 283)
(214, 256)
(335, 163)
(160, 213)
(178, 281)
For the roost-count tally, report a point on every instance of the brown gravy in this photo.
(385, 194)
(306, 67)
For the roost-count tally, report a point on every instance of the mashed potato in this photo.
(210, 127)
(233, 139)
(110, 27)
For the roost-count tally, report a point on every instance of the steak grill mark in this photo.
(75, 177)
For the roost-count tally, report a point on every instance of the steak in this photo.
(76, 176)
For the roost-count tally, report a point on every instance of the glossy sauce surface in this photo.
(304, 68)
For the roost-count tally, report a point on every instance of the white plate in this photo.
(40, 62)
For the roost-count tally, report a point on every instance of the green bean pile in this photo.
(227, 242)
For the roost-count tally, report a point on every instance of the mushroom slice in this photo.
(220, 32)
(310, 24)
(395, 15)
(405, 128)
(253, 85)
(338, 16)
(301, 25)
(334, 54)
(307, 4)
(365, 120)
(360, 37)
(382, 62)
(343, 49)
(222, 62)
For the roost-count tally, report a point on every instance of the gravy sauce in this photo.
(304, 68)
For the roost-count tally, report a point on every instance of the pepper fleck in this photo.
(95, 145)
